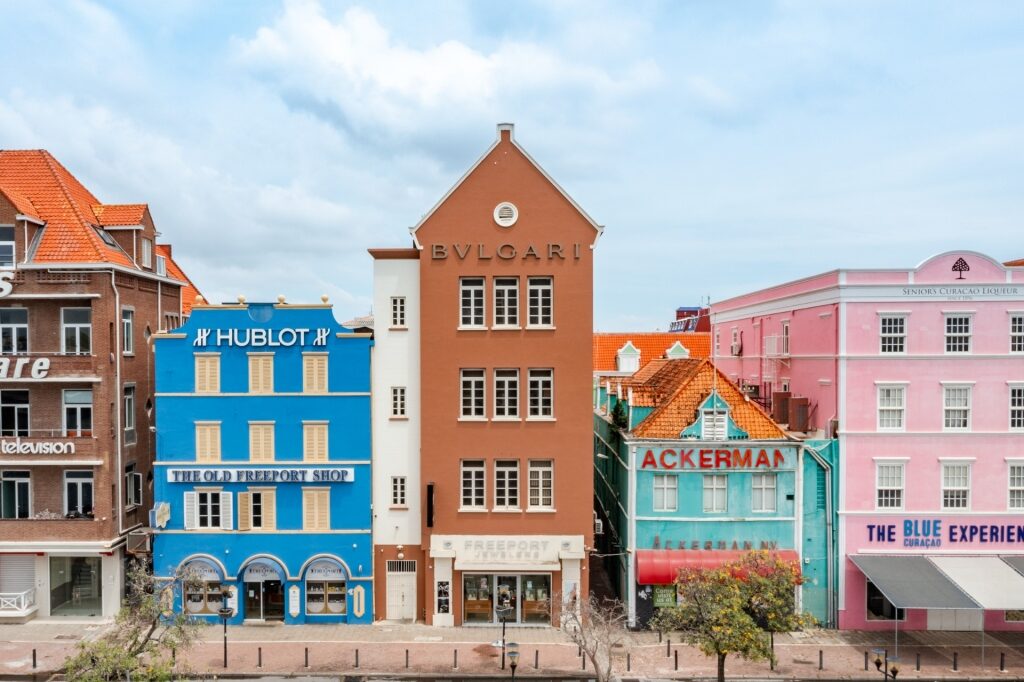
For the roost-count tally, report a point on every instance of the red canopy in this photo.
(661, 566)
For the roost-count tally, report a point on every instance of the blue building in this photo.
(263, 485)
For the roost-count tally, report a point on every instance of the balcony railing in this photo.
(776, 346)
(17, 601)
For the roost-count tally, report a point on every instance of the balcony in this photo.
(47, 367)
(17, 606)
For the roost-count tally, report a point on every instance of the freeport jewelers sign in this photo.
(268, 475)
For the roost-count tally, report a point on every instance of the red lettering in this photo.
(779, 459)
(649, 461)
(666, 464)
(762, 459)
(705, 459)
(723, 457)
(684, 458)
(741, 459)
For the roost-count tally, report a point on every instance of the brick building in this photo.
(83, 286)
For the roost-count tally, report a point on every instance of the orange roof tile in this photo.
(677, 388)
(1014, 263)
(120, 214)
(22, 204)
(189, 291)
(650, 344)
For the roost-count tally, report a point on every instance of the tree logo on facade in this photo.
(961, 266)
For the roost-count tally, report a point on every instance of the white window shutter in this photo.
(227, 521)
(191, 511)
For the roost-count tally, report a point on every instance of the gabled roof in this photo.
(506, 128)
(652, 345)
(1014, 263)
(189, 291)
(677, 388)
(119, 214)
(22, 204)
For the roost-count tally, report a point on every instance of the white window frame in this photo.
(718, 342)
(900, 471)
(506, 302)
(506, 484)
(132, 487)
(714, 424)
(961, 485)
(79, 481)
(472, 484)
(1016, 333)
(506, 394)
(147, 252)
(19, 477)
(78, 408)
(958, 336)
(1015, 484)
(472, 394)
(540, 485)
(78, 327)
(541, 381)
(128, 330)
(472, 302)
(398, 312)
(665, 493)
(5, 244)
(161, 266)
(398, 405)
(718, 487)
(1016, 395)
(765, 483)
(128, 401)
(224, 509)
(785, 338)
(948, 409)
(888, 409)
(891, 336)
(13, 328)
(398, 491)
(537, 290)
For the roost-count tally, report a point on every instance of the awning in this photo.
(662, 566)
(988, 580)
(1016, 561)
(912, 582)
(507, 567)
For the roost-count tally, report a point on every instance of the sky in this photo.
(725, 146)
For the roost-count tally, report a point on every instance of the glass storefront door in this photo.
(522, 599)
(273, 600)
(254, 601)
(507, 603)
(76, 586)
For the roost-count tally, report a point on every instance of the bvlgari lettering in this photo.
(504, 251)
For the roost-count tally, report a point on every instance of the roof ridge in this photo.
(91, 235)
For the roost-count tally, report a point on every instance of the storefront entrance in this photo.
(519, 599)
(264, 592)
(75, 586)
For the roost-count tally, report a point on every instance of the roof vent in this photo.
(506, 214)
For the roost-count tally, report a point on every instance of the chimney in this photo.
(505, 131)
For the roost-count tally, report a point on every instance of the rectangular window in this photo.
(128, 330)
(506, 301)
(891, 407)
(314, 442)
(785, 339)
(261, 441)
(76, 331)
(542, 389)
(1017, 486)
(78, 493)
(1017, 333)
(207, 442)
(506, 393)
(956, 485)
(715, 499)
(472, 393)
(161, 266)
(210, 509)
(314, 373)
(13, 330)
(666, 492)
(956, 408)
(398, 311)
(398, 491)
(147, 253)
(506, 484)
(398, 401)
(207, 372)
(1017, 408)
(14, 494)
(763, 486)
(261, 372)
(316, 509)
(540, 302)
(132, 486)
(257, 509)
(718, 342)
(889, 485)
(542, 484)
(893, 333)
(78, 412)
(473, 493)
(14, 413)
(714, 424)
(129, 414)
(6, 246)
(958, 333)
(471, 298)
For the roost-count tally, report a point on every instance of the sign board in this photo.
(258, 572)
(201, 570)
(261, 338)
(664, 596)
(324, 570)
(24, 368)
(717, 458)
(262, 475)
(945, 532)
(511, 549)
(293, 601)
(36, 447)
(549, 251)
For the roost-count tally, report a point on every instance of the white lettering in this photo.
(20, 447)
(271, 338)
(5, 282)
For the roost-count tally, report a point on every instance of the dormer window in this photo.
(714, 424)
(677, 351)
(107, 238)
(627, 359)
(147, 253)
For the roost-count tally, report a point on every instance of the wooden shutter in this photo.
(314, 373)
(323, 510)
(321, 374)
(208, 373)
(254, 374)
(316, 510)
(207, 442)
(308, 509)
(226, 512)
(244, 511)
(261, 442)
(269, 509)
(314, 446)
(191, 511)
(261, 374)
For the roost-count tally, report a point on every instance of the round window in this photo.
(506, 214)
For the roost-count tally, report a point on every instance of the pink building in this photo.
(919, 373)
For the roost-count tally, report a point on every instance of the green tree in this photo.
(770, 584)
(140, 643)
(619, 417)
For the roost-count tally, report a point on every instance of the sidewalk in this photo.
(383, 648)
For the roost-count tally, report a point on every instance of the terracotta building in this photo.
(482, 416)
(83, 286)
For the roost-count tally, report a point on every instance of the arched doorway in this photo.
(264, 590)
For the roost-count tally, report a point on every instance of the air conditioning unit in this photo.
(736, 348)
(139, 542)
(598, 525)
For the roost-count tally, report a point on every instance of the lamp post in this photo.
(503, 611)
(225, 613)
(889, 667)
(513, 657)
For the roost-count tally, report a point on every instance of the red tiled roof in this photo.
(21, 202)
(189, 291)
(119, 214)
(1014, 263)
(650, 344)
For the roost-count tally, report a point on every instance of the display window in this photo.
(326, 590)
(514, 599)
(202, 588)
